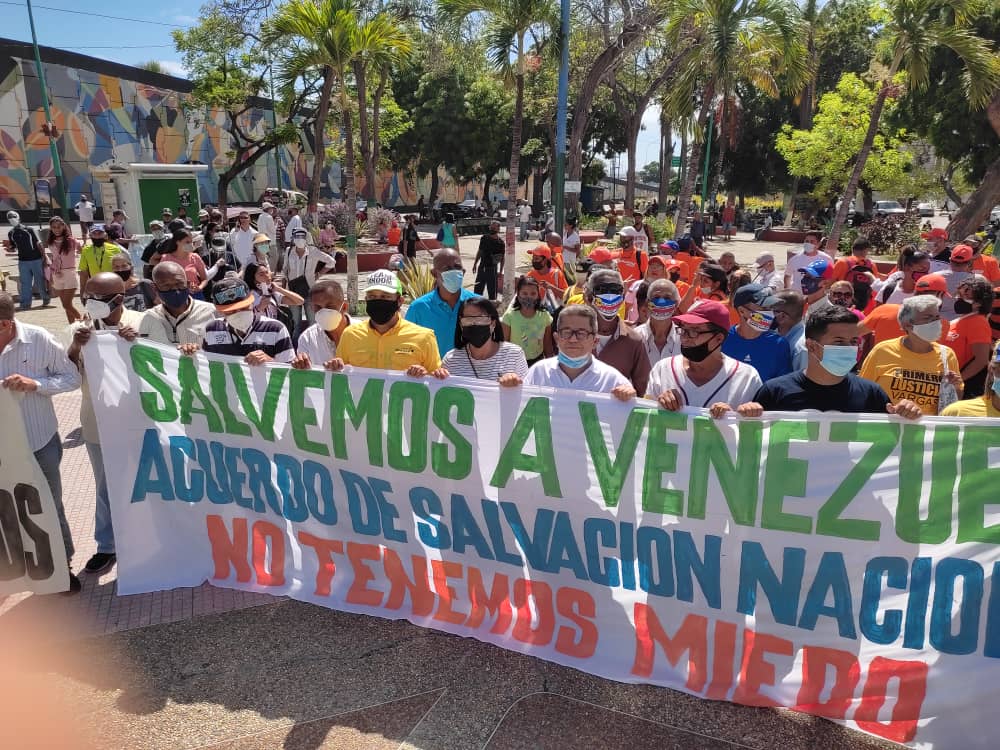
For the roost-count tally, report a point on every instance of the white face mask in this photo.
(300, 242)
(706, 290)
(157, 234)
(13, 222)
(808, 248)
(97, 309)
(241, 320)
(929, 332)
(328, 320)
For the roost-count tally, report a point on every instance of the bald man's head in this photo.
(166, 271)
(105, 285)
(445, 259)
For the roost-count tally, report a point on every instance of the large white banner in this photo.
(835, 564)
(32, 554)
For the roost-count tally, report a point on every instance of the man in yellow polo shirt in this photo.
(96, 255)
(987, 405)
(386, 341)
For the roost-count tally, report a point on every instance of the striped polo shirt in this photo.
(266, 334)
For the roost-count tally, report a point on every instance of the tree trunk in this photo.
(666, 164)
(351, 198)
(867, 199)
(948, 189)
(510, 253)
(435, 186)
(364, 132)
(224, 180)
(687, 188)
(538, 191)
(376, 134)
(487, 181)
(866, 148)
(319, 158)
(716, 177)
(976, 208)
(633, 139)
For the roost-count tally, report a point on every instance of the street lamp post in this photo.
(54, 150)
(708, 158)
(559, 184)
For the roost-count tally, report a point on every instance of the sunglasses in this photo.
(228, 295)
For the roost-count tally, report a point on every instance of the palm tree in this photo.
(913, 29)
(759, 41)
(505, 29)
(332, 35)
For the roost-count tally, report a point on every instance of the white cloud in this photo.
(185, 20)
(173, 68)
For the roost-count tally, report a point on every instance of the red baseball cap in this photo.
(937, 234)
(962, 253)
(706, 311)
(543, 251)
(932, 282)
(600, 255)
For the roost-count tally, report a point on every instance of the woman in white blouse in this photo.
(480, 350)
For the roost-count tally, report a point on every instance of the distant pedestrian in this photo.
(31, 261)
(85, 212)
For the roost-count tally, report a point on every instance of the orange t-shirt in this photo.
(988, 267)
(682, 287)
(883, 323)
(553, 277)
(966, 331)
(734, 315)
(843, 265)
(395, 234)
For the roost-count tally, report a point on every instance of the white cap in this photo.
(265, 205)
(629, 231)
(382, 280)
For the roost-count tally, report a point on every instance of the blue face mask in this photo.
(452, 280)
(573, 362)
(175, 298)
(839, 360)
(996, 386)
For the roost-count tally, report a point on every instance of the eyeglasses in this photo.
(690, 333)
(477, 320)
(575, 334)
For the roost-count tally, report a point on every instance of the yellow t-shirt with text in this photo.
(905, 374)
(402, 345)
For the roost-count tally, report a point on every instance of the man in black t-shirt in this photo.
(491, 250)
(827, 384)
(31, 261)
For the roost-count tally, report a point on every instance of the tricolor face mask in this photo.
(761, 320)
(608, 305)
(662, 308)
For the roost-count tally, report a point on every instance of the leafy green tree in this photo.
(911, 32)
(759, 41)
(505, 28)
(650, 174)
(226, 65)
(331, 36)
(826, 152)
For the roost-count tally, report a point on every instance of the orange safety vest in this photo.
(632, 266)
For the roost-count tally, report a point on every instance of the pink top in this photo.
(327, 237)
(194, 268)
(64, 261)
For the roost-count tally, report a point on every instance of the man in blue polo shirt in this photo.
(438, 309)
(753, 341)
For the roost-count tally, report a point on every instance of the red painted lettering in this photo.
(325, 548)
(541, 593)
(265, 535)
(229, 551)
(755, 670)
(691, 638)
(578, 607)
(912, 677)
(497, 602)
(846, 673)
(359, 593)
(419, 589)
(441, 571)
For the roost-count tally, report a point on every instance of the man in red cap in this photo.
(985, 265)
(938, 250)
(959, 269)
(883, 321)
(549, 278)
(701, 375)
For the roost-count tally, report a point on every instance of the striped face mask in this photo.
(662, 308)
(608, 305)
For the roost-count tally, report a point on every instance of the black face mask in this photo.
(381, 310)
(477, 335)
(963, 307)
(124, 275)
(697, 353)
(538, 265)
(98, 243)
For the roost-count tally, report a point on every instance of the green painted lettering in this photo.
(367, 410)
(738, 481)
(977, 485)
(301, 416)
(883, 438)
(611, 472)
(786, 477)
(936, 528)
(535, 420)
(661, 458)
(147, 363)
(187, 378)
(418, 396)
(463, 403)
(263, 419)
(219, 387)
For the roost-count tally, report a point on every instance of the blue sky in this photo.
(88, 27)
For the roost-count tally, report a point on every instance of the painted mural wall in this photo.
(107, 119)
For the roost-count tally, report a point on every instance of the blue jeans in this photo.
(49, 456)
(104, 534)
(31, 277)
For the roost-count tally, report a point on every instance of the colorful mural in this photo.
(105, 118)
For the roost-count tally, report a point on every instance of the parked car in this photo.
(995, 215)
(889, 208)
(463, 210)
(283, 198)
(925, 209)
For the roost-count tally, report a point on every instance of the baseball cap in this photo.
(266, 205)
(543, 251)
(231, 294)
(156, 223)
(300, 233)
(764, 258)
(382, 280)
(670, 245)
(937, 234)
(974, 241)
(13, 215)
(706, 311)
(818, 269)
(664, 260)
(203, 214)
(96, 228)
(629, 231)
(754, 294)
(600, 255)
(932, 282)
(961, 254)
(167, 212)
(713, 271)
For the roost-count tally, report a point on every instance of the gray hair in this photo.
(913, 306)
(668, 288)
(580, 311)
(7, 306)
(597, 278)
